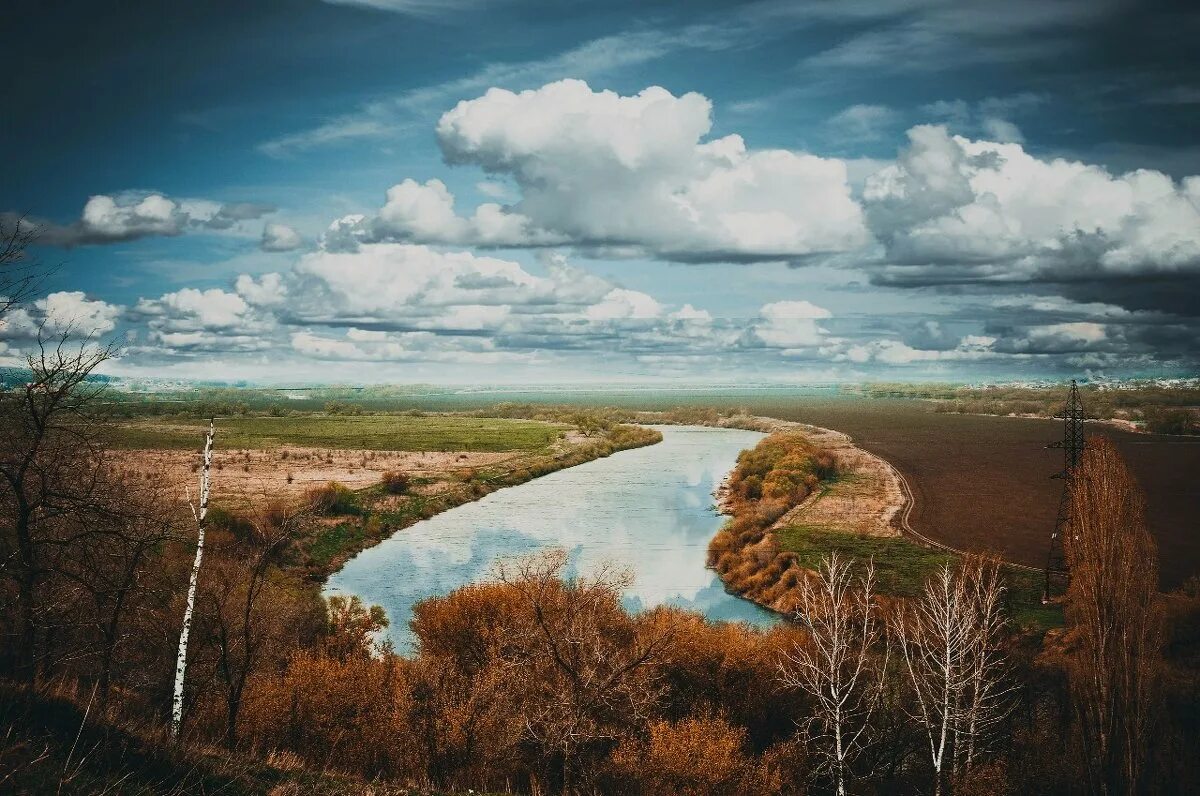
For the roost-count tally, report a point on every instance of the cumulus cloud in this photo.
(133, 215)
(790, 324)
(205, 320)
(56, 313)
(393, 302)
(408, 286)
(626, 174)
(953, 209)
(268, 290)
(367, 346)
(280, 238)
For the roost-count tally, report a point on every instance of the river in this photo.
(648, 510)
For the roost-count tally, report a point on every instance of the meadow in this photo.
(346, 432)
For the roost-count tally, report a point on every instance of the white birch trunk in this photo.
(199, 513)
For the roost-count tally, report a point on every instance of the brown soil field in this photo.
(242, 477)
(983, 482)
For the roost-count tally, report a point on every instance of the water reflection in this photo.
(647, 510)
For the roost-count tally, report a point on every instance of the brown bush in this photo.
(395, 483)
(691, 757)
(332, 498)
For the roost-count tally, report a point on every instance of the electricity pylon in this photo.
(1072, 445)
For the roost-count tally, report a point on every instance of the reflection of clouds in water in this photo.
(646, 510)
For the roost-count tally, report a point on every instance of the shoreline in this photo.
(867, 498)
(580, 453)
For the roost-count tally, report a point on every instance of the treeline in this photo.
(1159, 410)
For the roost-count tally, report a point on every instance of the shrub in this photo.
(332, 499)
(395, 483)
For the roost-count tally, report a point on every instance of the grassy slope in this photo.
(368, 432)
(901, 567)
(46, 746)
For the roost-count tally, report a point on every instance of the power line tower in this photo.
(1072, 445)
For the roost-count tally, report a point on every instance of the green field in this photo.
(901, 567)
(367, 432)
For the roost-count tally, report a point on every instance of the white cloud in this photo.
(206, 320)
(951, 208)
(897, 353)
(131, 215)
(630, 174)
(1002, 130)
(73, 310)
(280, 238)
(59, 312)
(621, 304)
(494, 189)
(267, 291)
(357, 345)
(791, 324)
(412, 286)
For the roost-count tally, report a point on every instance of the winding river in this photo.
(648, 510)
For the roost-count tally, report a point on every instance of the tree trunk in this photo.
(181, 659)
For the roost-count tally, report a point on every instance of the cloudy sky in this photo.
(458, 191)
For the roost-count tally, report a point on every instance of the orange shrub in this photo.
(692, 757)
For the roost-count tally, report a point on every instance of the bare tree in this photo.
(1114, 618)
(934, 640)
(581, 669)
(949, 640)
(989, 687)
(199, 512)
(838, 665)
(248, 606)
(19, 275)
(114, 546)
(51, 456)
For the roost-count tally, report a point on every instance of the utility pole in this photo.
(1072, 445)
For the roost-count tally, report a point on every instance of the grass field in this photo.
(902, 566)
(368, 432)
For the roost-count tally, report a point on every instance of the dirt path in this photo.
(869, 496)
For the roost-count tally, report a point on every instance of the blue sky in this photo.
(409, 190)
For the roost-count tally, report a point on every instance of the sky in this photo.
(469, 192)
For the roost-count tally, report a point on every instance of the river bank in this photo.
(646, 514)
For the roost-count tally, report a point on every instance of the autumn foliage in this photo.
(772, 478)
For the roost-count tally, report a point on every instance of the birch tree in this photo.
(199, 511)
(838, 665)
(949, 640)
(933, 642)
(989, 685)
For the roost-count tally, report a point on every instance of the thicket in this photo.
(769, 480)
